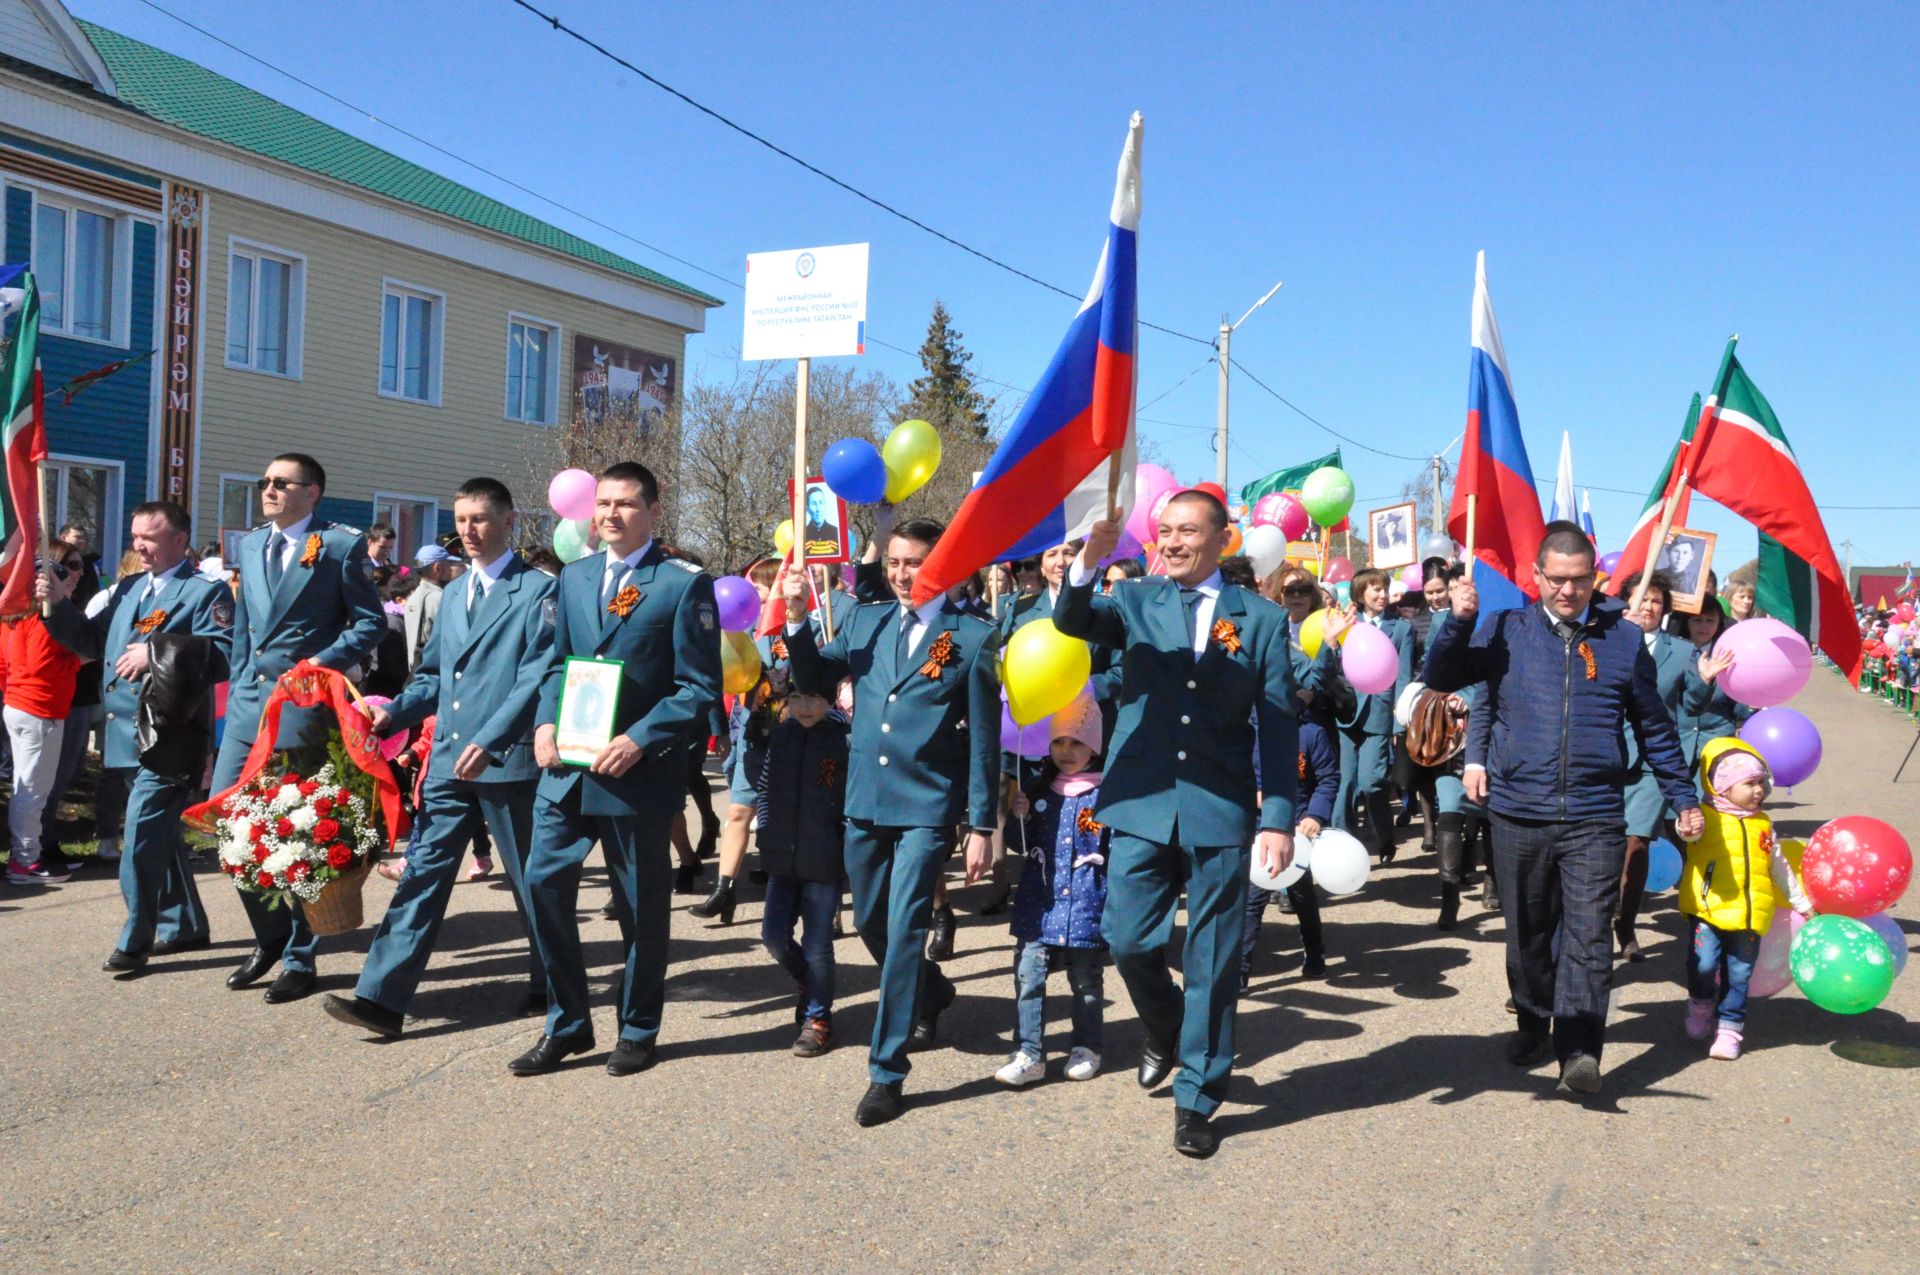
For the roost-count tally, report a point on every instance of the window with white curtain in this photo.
(265, 298)
(411, 325)
(532, 367)
(77, 255)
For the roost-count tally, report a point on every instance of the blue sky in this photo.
(1644, 179)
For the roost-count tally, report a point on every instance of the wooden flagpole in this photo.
(1659, 541)
(799, 546)
(1473, 511)
(46, 542)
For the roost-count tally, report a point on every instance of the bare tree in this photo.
(590, 439)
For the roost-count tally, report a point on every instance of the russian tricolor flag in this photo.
(1494, 469)
(1047, 483)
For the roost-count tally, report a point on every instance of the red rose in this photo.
(341, 796)
(283, 827)
(323, 805)
(301, 870)
(338, 856)
(264, 880)
(260, 854)
(290, 778)
(308, 788)
(325, 830)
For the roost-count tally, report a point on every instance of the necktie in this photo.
(616, 573)
(900, 638)
(1191, 599)
(474, 592)
(276, 565)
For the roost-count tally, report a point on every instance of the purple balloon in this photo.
(738, 603)
(1787, 740)
(1024, 741)
(1770, 662)
(1127, 548)
(1608, 562)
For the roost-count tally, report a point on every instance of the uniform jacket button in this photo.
(1181, 755)
(883, 760)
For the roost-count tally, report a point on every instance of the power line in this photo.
(561, 27)
(1176, 385)
(1365, 447)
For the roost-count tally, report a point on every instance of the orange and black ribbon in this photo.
(624, 601)
(150, 621)
(939, 655)
(1228, 635)
(829, 772)
(1088, 824)
(1586, 653)
(310, 553)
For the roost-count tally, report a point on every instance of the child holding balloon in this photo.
(1056, 914)
(1735, 876)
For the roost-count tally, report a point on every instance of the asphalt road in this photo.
(167, 1124)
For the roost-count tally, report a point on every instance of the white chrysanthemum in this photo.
(279, 861)
(287, 798)
(303, 819)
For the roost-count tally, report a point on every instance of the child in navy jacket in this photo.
(803, 832)
(1319, 782)
(1056, 914)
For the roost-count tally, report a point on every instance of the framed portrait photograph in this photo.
(589, 698)
(824, 536)
(1390, 533)
(1684, 560)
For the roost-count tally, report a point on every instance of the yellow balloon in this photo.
(1313, 632)
(1042, 670)
(739, 663)
(783, 538)
(912, 453)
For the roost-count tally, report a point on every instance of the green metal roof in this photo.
(189, 96)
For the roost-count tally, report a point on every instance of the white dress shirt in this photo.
(288, 539)
(617, 569)
(487, 574)
(1079, 577)
(155, 580)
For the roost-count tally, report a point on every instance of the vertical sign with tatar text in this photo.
(180, 401)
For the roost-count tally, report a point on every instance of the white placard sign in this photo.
(807, 303)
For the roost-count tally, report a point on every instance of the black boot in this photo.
(720, 903)
(1380, 822)
(1428, 830)
(940, 935)
(1451, 847)
(1449, 906)
(1633, 886)
(686, 877)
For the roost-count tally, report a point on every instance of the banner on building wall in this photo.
(180, 392)
(614, 382)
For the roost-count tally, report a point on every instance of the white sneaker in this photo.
(108, 850)
(1021, 1069)
(1082, 1064)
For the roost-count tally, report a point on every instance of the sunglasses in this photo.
(279, 484)
(1299, 591)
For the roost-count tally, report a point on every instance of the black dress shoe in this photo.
(926, 1027)
(258, 962)
(686, 877)
(548, 1053)
(940, 936)
(120, 962)
(1313, 965)
(292, 985)
(363, 1013)
(534, 1002)
(718, 904)
(630, 1056)
(171, 947)
(1529, 1049)
(1193, 1134)
(880, 1104)
(1449, 907)
(1156, 1062)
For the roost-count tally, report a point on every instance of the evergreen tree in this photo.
(945, 397)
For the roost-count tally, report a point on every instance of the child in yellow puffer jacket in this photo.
(1734, 878)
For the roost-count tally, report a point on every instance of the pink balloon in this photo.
(1411, 577)
(1338, 569)
(1294, 520)
(1772, 968)
(1771, 663)
(1267, 510)
(570, 493)
(1369, 659)
(1149, 482)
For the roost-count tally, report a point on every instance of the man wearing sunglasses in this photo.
(306, 593)
(1544, 751)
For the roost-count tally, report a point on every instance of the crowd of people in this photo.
(1541, 750)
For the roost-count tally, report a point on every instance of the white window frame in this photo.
(229, 549)
(553, 369)
(120, 283)
(296, 306)
(111, 514)
(436, 374)
(403, 556)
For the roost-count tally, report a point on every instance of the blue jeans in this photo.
(1729, 954)
(1085, 977)
(810, 905)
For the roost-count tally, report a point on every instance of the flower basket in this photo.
(337, 910)
(303, 826)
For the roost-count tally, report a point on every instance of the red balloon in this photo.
(1338, 569)
(1856, 866)
(1215, 490)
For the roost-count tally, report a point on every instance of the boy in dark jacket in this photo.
(803, 831)
(1319, 783)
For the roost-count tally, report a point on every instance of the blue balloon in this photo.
(855, 472)
(1663, 866)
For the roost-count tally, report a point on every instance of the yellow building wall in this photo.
(335, 411)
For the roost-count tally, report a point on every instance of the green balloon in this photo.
(570, 539)
(1328, 495)
(1841, 965)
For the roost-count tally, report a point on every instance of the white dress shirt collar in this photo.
(487, 574)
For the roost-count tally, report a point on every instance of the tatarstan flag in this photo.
(1634, 555)
(23, 438)
(1740, 457)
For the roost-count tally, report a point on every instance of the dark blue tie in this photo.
(1191, 598)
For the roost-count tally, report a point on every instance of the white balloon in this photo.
(1266, 546)
(1437, 545)
(1340, 862)
(1257, 873)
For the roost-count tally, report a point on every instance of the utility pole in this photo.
(1439, 519)
(1226, 343)
(1846, 571)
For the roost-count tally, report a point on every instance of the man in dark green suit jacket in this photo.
(1203, 663)
(923, 760)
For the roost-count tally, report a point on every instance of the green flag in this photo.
(1783, 586)
(1287, 479)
